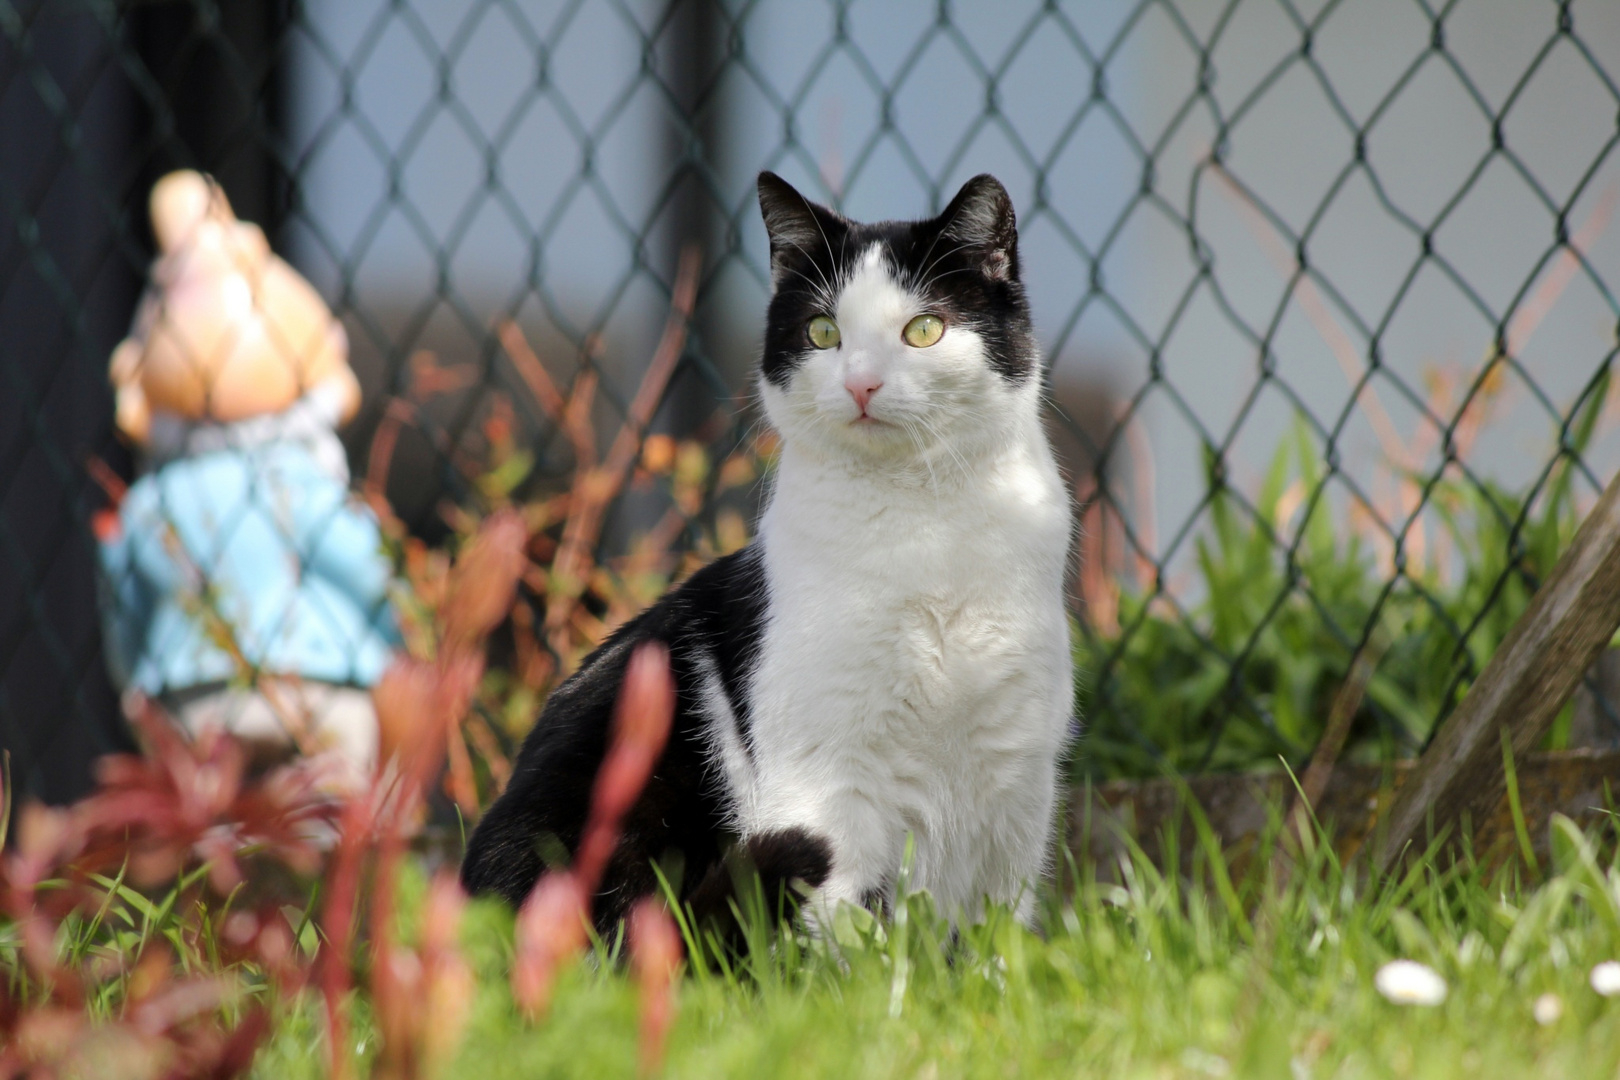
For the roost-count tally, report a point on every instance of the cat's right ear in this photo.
(797, 227)
(981, 219)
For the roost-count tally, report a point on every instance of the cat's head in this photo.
(897, 339)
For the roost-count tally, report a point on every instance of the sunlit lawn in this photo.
(1147, 978)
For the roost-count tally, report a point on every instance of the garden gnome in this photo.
(247, 590)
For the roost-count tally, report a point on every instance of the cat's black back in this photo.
(711, 623)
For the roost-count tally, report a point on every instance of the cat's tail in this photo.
(788, 864)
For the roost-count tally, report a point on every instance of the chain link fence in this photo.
(1326, 291)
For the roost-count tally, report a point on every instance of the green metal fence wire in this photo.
(1358, 212)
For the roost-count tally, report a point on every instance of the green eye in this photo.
(923, 331)
(823, 332)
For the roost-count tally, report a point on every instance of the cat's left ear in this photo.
(981, 218)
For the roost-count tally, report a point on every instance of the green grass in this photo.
(1148, 977)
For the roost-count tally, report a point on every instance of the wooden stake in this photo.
(1569, 622)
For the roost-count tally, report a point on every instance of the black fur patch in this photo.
(789, 855)
(787, 863)
(714, 617)
(964, 263)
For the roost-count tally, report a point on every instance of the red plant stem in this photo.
(596, 487)
(641, 725)
(577, 421)
(398, 413)
(111, 484)
(338, 928)
(500, 768)
(655, 953)
(551, 926)
(380, 817)
(529, 368)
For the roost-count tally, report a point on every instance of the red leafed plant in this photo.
(570, 595)
(147, 1003)
(150, 930)
(421, 995)
(183, 1002)
(552, 926)
(193, 993)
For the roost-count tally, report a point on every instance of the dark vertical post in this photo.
(219, 68)
(68, 279)
(690, 59)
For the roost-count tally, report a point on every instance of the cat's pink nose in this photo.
(861, 388)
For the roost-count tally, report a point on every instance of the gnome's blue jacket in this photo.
(265, 537)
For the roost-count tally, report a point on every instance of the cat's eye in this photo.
(823, 332)
(923, 331)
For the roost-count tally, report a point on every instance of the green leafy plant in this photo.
(1288, 587)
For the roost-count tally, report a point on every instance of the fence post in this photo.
(1532, 674)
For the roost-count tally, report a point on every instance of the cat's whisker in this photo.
(950, 448)
(827, 287)
(936, 279)
(815, 217)
(931, 246)
(924, 274)
(922, 455)
(825, 290)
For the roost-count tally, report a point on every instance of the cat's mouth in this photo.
(868, 420)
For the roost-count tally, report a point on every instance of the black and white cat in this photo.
(890, 655)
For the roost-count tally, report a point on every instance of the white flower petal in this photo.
(1547, 1009)
(1407, 982)
(1205, 1062)
(1605, 978)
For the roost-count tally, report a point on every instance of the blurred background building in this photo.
(1233, 213)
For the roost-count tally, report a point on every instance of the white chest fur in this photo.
(914, 675)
